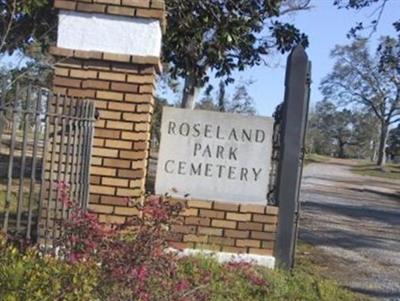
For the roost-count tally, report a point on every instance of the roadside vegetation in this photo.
(314, 158)
(310, 261)
(31, 277)
(390, 171)
(129, 262)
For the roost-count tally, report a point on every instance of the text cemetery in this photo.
(205, 151)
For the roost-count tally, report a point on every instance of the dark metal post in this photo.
(36, 115)
(11, 160)
(3, 107)
(89, 145)
(295, 109)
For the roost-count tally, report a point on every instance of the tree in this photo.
(319, 133)
(365, 136)
(343, 131)
(241, 102)
(370, 82)
(207, 103)
(223, 36)
(375, 17)
(24, 23)
(159, 103)
(221, 97)
(329, 129)
(202, 35)
(340, 132)
(394, 141)
(313, 134)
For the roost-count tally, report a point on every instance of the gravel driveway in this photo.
(355, 222)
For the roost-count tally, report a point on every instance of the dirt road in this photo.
(355, 222)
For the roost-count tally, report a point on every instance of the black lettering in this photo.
(246, 135)
(220, 152)
(243, 174)
(219, 133)
(207, 152)
(231, 173)
(194, 171)
(232, 153)
(233, 135)
(208, 170)
(220, 168)
(184, 129)
(260, 136)
(256, 174)
(196, 130)
(207, 131)
(167, 164)
(181, 168)
(171, 128)
(197, 147)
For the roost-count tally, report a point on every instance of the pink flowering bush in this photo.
(133, 261)
(129, 262)
(131, 256)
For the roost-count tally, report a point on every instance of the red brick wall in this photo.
(232, 228)
(122, 87)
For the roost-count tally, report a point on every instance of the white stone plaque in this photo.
(214, 156)
(107, 33)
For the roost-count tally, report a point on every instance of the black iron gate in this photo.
(45, 143)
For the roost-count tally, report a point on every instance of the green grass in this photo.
(12, 219)
(14, 195)
(14, 201)
(391, 171)
(314, 158)
(311, 268)
(306, 282)
(303, 284)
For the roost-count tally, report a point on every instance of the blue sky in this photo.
(326, 26)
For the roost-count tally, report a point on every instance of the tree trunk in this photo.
(341, 150)
(190, 93)
(221, 97)
(2, 124)
(382, 144)
(373, 153)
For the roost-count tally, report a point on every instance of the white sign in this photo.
(106, 33)
(214, 156)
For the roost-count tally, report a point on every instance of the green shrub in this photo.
(300, 285)
(243, 282)
(218, 282)
(30, 277)
(129, 263)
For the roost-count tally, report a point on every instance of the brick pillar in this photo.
(117, 69)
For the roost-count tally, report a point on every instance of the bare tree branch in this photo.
(9, 26)
(376, 22)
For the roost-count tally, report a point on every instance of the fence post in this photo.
(2, 106)
(295, 109)
(119, 75)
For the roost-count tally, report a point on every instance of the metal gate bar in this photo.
(71, 123)
(45, 142)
